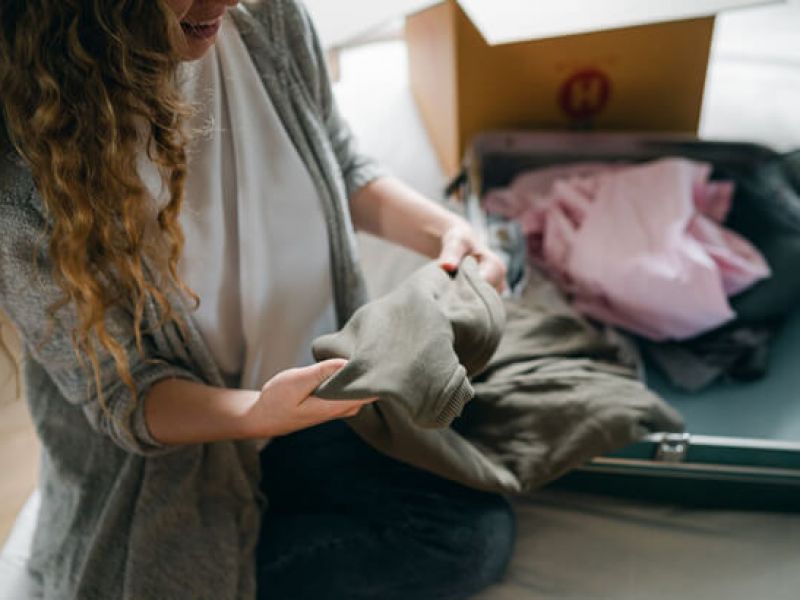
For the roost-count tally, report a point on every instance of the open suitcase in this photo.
(742, 445)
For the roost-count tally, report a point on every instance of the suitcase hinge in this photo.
(673, 447)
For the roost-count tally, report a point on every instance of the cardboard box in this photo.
(578, 64)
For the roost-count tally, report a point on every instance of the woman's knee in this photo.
(491, 544)
(461, 549)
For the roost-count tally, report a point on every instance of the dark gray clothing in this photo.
(766, 211)
(556, 393)
(418, 345)
(123, 516)
(737, 352)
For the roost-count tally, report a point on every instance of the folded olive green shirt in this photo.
(555, 393)
(417, 346)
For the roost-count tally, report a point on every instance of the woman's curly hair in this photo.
(86, 87)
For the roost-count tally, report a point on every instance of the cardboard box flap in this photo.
(506, 21)
(339, 21)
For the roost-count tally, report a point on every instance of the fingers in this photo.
(490, 267)
(460, 242)
(286, 403)
(308, 379)
(454, 249)
(493, 270)
(337, 409)
(325, 369)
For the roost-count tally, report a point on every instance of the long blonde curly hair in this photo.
(87, 86)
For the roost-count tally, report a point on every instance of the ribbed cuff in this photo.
(138, 439)
(456, 394)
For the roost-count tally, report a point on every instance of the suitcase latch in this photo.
(673, 447)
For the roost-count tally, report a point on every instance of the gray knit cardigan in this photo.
(122, 516)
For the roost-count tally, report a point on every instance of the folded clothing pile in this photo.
(549, 390)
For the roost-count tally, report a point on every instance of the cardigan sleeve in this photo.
(357, 169)
(27, 291)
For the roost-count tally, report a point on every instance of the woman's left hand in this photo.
(460, 241)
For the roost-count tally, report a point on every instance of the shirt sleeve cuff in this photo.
(132, 432)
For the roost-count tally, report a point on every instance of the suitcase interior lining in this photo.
(765, 409)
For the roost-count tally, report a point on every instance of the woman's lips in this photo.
(202, 31)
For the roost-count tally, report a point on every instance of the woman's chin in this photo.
(195, 49)
(199, 38)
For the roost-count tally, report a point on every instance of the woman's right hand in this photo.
(286, 403)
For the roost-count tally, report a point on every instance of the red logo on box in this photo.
(585, 94)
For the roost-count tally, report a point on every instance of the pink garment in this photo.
(640, 247)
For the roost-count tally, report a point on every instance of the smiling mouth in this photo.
(202, 30)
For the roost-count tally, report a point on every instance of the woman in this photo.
(162, 153)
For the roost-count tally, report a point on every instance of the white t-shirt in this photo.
(256, 249)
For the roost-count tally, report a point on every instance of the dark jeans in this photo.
(347, 523)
